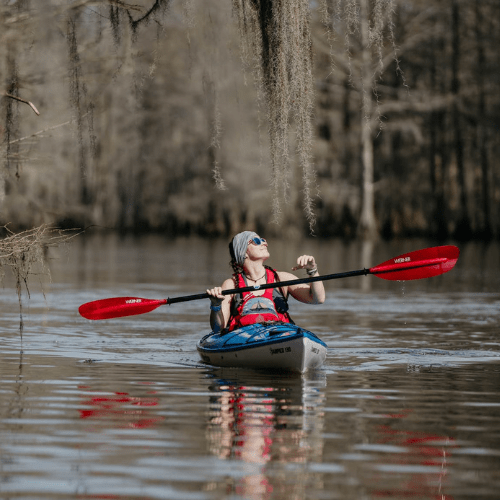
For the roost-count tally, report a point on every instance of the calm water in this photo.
(406, 406)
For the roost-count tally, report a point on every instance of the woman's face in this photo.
(257, 249)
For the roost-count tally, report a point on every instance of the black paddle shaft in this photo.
(310, 279)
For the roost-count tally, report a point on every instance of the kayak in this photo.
(271, 346)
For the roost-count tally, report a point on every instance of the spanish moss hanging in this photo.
(277, 44)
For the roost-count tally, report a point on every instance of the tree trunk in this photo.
(463, 229)
(2, 190)
(11, 123)
(368, 223)
(485, 223)
(437, 163)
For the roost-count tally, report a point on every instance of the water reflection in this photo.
(125, 410)
(13, 403)
(270, 424)
(421, 461)
(366, 263)
(410, 409)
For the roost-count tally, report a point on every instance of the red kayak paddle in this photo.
(419, 264)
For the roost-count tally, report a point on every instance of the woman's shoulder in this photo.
(228, 284)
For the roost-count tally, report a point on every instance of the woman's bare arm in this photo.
(309, 293)
(219, 319)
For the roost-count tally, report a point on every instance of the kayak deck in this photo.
(271, 346)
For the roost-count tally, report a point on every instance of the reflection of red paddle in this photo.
(415, 265)
(118, 406)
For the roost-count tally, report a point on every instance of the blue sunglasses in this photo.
(257, 241)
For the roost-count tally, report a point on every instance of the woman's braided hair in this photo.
(237, 268)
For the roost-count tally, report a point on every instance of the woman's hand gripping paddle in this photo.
(419, 264)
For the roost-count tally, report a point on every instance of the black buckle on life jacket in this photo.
(281, 304)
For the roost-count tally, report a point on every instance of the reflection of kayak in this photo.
(267, 417)
(277, 346)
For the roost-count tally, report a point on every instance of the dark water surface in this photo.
(406, 406)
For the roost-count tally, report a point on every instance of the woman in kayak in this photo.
(248, 253)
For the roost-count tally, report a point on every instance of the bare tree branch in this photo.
(114, 3)
(29, 103)
(40, 132)
(157, 5)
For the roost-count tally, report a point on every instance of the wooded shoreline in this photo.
(157, 127)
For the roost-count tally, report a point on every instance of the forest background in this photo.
(144, 116)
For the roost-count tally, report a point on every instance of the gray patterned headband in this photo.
(240, 244)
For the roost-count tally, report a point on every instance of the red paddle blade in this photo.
(118, 307)
(419, 264)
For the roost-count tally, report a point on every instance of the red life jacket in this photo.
(247, 308)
